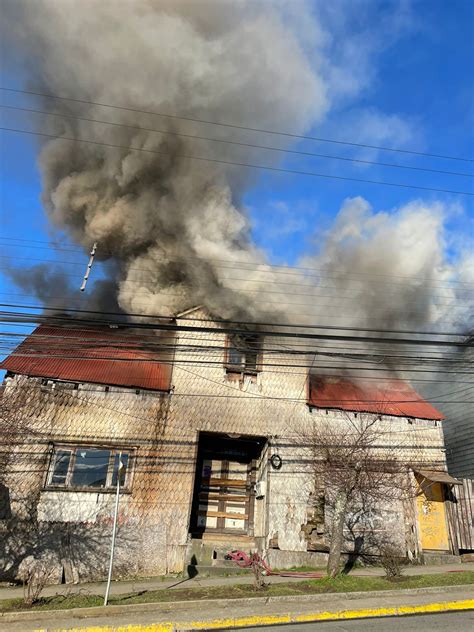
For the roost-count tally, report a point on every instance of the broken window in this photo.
(87, 467)
(61, 467)
(243, 353)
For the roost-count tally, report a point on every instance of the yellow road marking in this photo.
(259, 620)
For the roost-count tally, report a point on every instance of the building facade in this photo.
(213, 430)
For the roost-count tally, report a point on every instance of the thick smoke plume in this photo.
(172, 225)
(171, 230)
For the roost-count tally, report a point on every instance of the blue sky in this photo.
(407, 83)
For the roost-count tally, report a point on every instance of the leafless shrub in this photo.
(259, 582)
(35, 575)
(391, 561)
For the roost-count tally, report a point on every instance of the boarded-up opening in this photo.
(224, 489)
(432, 515)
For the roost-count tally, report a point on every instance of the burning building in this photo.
(214, 430)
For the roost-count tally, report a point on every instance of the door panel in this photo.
(224, 496)
(223, 500)
(432, 516)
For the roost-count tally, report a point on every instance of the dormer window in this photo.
(243, 353)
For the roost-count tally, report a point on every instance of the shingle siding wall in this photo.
(164, 431)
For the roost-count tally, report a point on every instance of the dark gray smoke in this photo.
(168, 221)
(174, 228)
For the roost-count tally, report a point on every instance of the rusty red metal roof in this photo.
(386, 397)
(99, 355)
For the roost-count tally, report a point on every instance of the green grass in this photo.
(342, 583)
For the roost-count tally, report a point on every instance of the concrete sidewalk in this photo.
(240, 613)
(160, 583)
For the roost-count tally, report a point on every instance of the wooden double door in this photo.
(224, 487)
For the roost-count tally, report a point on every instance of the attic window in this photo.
(243, 353)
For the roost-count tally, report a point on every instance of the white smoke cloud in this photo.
(394, 269)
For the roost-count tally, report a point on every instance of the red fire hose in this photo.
(254, 559)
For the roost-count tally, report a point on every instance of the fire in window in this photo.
(80, 467)
(243, 353)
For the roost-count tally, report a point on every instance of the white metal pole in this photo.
(114, 530)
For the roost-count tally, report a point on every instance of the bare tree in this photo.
(351, 455)
(16, 428)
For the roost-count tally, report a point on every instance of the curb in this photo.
(340, 615)
(173, 606)
(266, 620)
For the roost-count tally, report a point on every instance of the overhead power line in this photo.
(226, 327)
(324, 314)
(234, 126)
(245, 323)
(218, 363)
(466, 293)
(236, 164)
(325, 301)
(274, 268)
(234, 142)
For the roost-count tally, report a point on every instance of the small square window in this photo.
(243, 353)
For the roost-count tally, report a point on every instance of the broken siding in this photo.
(272, 404)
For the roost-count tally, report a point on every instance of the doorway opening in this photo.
(224, 489)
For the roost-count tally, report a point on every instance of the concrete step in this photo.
(213, 552)
(435, 558)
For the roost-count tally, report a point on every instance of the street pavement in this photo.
(460, 621)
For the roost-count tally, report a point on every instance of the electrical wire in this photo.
(233, 126)
(274, 268)
(229, 329)
(237, 164)
(233, 142)
(255, 325)
(61, 262)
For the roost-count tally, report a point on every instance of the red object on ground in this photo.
(246, 561)
(99, 355)
(386, 397)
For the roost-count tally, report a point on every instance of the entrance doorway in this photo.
(432, 515)
(225, 479)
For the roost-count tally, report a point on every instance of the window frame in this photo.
(243, 368)
(73, 448)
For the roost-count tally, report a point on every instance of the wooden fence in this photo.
(461, 516)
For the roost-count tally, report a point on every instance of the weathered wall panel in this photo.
(164, 431)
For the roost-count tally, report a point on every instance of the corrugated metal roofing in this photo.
(386, 397)
(439, 477)
(98, 355)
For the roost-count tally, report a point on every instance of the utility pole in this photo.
(114, 530)
(89, 267)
